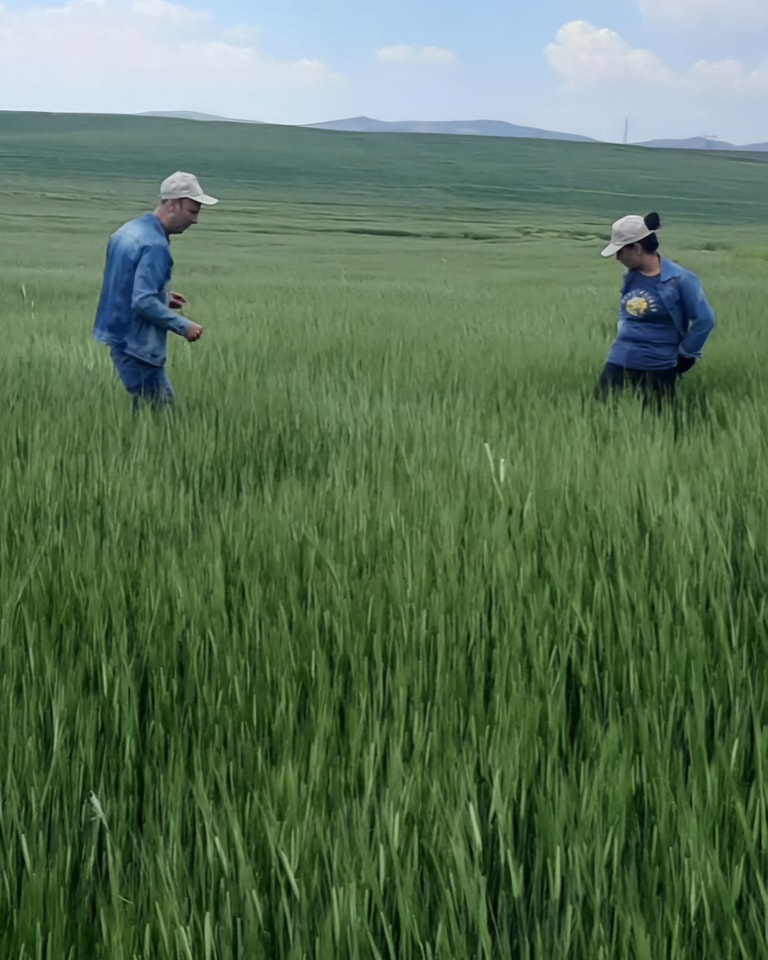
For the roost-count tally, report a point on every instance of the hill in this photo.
(473, 128)
(476, 128)
(492, 177)
(704, 143)
(192, 115)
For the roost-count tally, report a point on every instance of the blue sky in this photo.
(674, 67)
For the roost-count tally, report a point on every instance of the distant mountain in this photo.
(476, 128)
(703, 143)
(191, 115)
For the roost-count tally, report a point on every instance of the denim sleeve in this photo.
(148, 298)
(700, 316)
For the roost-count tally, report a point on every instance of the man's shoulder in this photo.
(143, 231)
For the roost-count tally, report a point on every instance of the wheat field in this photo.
(389, 641)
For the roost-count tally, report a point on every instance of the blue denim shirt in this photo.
(684, 298)
(133, 313)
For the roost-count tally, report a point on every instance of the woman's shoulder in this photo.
(671, 269)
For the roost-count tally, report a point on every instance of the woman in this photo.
(664, 316)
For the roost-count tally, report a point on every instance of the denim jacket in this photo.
(133, 313)
(684, 298)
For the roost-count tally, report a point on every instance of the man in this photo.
(136, 307)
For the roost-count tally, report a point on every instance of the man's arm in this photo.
(148, 298)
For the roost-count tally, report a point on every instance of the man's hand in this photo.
(194, 332)
(176, 301)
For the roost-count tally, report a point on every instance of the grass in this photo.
(304, 671)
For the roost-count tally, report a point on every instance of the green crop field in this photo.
(389, 641)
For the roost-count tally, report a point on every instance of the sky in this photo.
(670, 68)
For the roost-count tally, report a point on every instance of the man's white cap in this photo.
(184, 186)
(627, 230)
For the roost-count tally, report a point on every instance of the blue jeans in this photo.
(143, 381)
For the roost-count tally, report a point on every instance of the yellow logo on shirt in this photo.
(637, 307)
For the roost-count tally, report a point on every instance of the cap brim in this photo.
(199, 198)
(611, 250)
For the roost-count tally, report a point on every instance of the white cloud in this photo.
(428, 56)
(586, 57)
(134, 55)
(164, 11)
(709, 14)
(241, 33)
(728, 77)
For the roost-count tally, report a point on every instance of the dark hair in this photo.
(651, 243)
